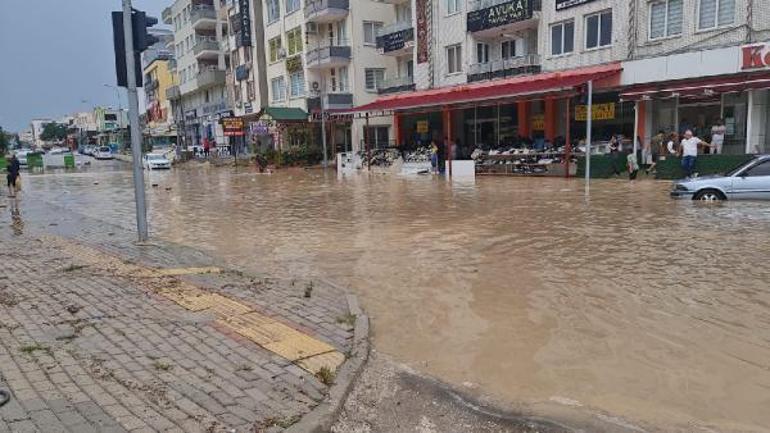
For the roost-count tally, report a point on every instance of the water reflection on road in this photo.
(630, 304)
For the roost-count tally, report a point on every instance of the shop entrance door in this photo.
(699, 117)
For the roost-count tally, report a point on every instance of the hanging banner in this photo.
(421, 7)
(566, 4)
(600, 112)
(244, 39)
(499, 15)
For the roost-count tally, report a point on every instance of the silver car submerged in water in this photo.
(749, 181)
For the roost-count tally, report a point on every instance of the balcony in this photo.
(332, 101)
(210, 77)
(489, 18)
(203, 17)
(396, 39)
(167, 16)
(173, 93)
(326, 11)
(328, 56)
(207, 48)
(395, 85)
(522, 65)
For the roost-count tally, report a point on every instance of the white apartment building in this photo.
(200, 100)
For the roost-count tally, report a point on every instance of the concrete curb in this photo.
(321, 419)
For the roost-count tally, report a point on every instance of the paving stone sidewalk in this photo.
(92, 340)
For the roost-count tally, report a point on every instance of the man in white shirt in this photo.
(689, 149)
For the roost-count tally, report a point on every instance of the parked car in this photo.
(103, 152)
(153, 161)
(91, 150)
(749, 181)
(21, 155)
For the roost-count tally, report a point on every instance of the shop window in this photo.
(294, 41)
(665, 18)
(278, 88)
(508, 49)
(452, 7)
(292, 6)
(377, 136)
(562, 38)
(297, 84)
(374, 77)
(275, 49)
(599, 30)
(454, 58)
(273, 11)
(370, 32)
(715, 13)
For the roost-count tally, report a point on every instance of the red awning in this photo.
(524, 86)
(699, 87)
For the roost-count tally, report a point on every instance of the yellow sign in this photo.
(538, 122)
(422, 126)
(600, 112)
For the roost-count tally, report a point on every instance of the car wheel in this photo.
(709, 195)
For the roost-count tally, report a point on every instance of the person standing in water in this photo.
(13, 175)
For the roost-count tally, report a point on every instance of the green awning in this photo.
(286, 114)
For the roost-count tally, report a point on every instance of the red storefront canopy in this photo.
(700, 87)
(524, 86)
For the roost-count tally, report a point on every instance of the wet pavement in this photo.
(630, 307)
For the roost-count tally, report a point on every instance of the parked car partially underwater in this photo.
(749, 181)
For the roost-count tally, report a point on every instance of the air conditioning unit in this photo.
(311, 28)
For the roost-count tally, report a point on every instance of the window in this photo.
(508, 49)
(762, 169)
(292, 6)
(452, 6)
(374, 77)
(665, 18)
(275, 48)
(273, 11)
(377, 136)
(278, 89)
(454, 59)
(297, 84)
(343, 75)
(482, 52)
(715, 13)
(562, 38)
(599, 30)
(370, 31)
(294, 41)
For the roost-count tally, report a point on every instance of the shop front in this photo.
(523, 125)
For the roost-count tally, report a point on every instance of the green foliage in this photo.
(54, 132)
(5, 141)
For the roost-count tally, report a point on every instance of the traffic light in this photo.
(140, 22)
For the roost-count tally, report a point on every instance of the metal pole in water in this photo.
(133, 118)
(589, 118)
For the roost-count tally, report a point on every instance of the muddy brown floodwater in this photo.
(629, 305)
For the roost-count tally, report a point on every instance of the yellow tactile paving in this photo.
(175, 272)
(307, 352)
(330, 360)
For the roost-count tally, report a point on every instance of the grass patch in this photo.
(348, 319)
(162, 365)
(73, 267)
(30, 349)
(325, 375)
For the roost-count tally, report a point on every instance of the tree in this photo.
(4, 142)
(54, 132)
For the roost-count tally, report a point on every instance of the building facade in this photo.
(199, 99)
(159, 125)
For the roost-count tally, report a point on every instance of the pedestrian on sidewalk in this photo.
(689, 149)
(12, 177)
(633, 166)
(718, 132)
(434, 156)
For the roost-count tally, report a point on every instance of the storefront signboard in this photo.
(421, 8)
(755, 56)
(259, 128)
(499, 15)
(423, 126)
(600, 112)
(395, 41)
(566, 4)
(244, 38)
(232, 126)
(538, 122)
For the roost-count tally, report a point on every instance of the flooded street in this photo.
(628, 305)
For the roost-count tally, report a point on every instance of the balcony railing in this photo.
(396, 39)
(522, 65)
(328, 54)
(393, 28)
(210, 77)
(326, 10)
(206, 43)
(393, 85)
(202, 12)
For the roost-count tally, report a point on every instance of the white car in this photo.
(21, 155)
(103, 152)
(154, 161)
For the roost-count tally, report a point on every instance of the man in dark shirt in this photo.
(13, 175)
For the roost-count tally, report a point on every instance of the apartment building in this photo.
(200, 98)
(160, 127)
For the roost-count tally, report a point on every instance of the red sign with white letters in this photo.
(756, 56)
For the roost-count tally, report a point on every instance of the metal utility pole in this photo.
(589, 119)
(133, 119)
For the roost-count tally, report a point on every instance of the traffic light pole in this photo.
(133, 119)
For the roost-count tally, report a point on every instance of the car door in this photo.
(753, 183)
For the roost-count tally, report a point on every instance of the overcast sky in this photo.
(56, 56)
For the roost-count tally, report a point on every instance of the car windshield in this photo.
(155, 157)
(740, 167)
(104, 149)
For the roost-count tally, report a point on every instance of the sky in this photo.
(56, 56)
